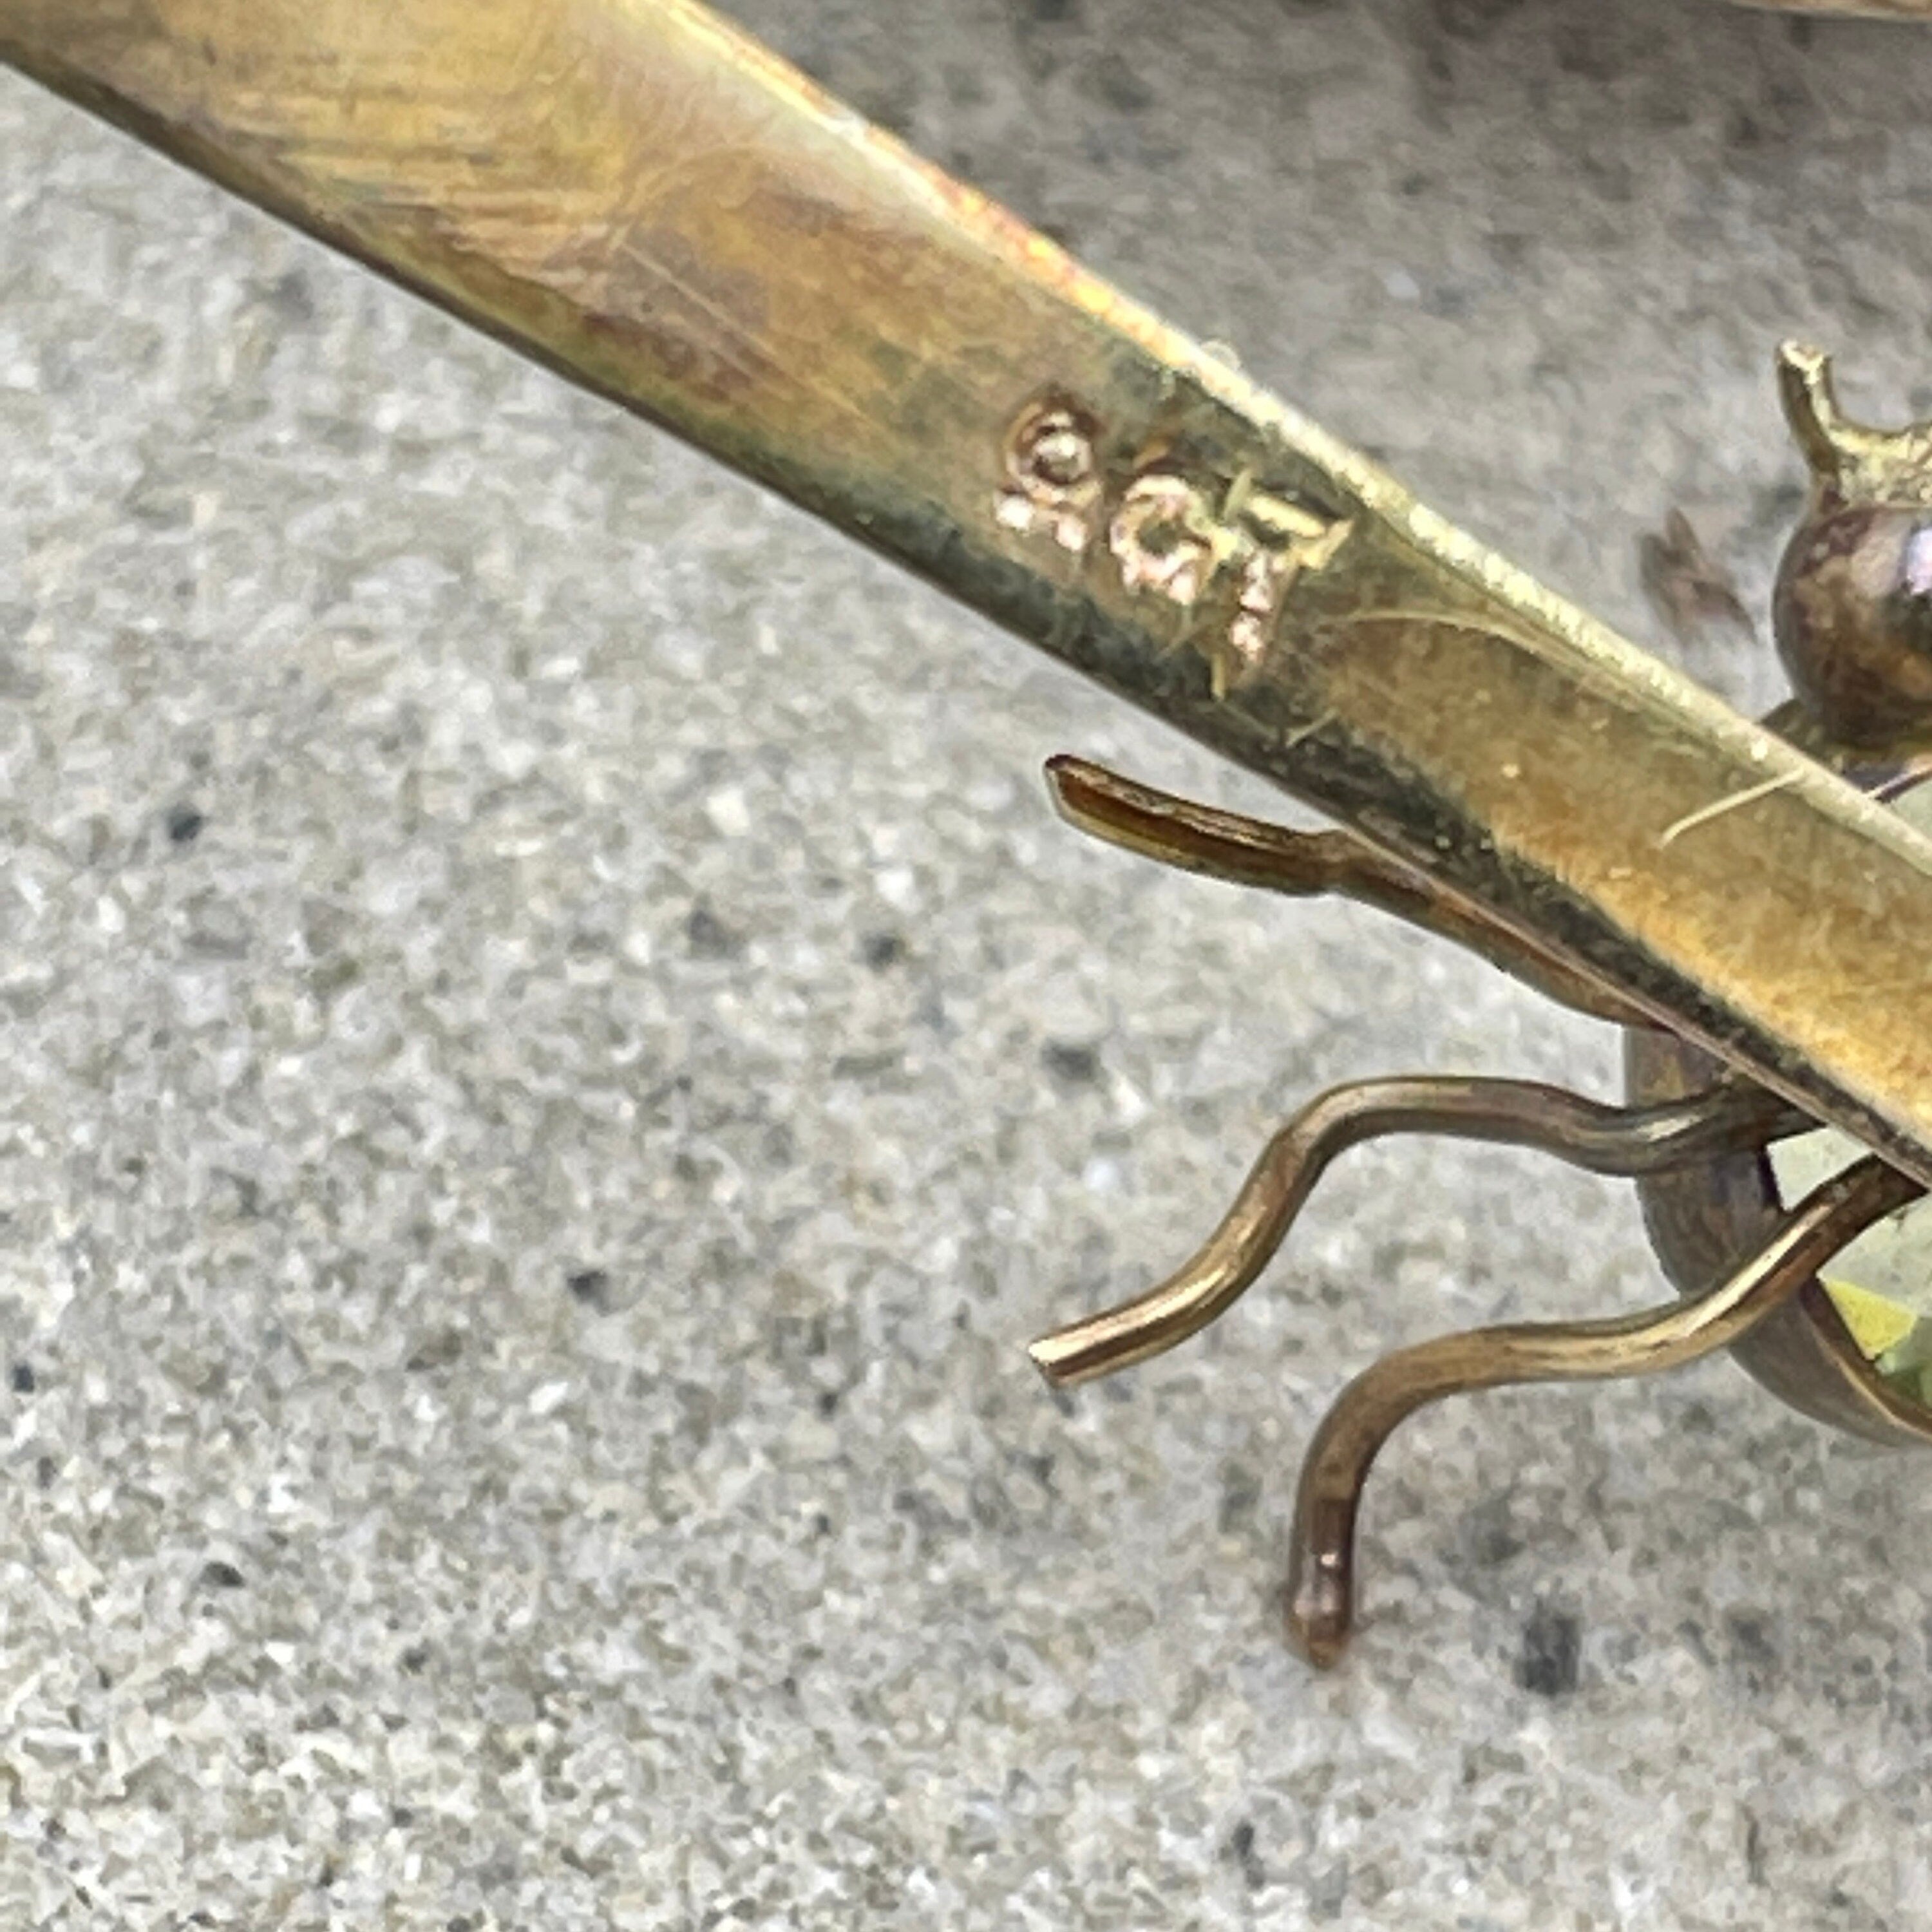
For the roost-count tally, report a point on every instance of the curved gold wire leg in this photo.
(1518, 1113)
(1243, 851)
(1321, 1585)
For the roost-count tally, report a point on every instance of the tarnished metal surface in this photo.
(637, 194)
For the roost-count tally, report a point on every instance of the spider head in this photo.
(1852, 608)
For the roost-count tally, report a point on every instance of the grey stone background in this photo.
(551, 1053)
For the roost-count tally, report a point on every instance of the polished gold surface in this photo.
(638, 195)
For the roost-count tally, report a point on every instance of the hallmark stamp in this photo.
(1053, 477)
(1228, 556)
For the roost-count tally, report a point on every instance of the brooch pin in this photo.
(635, 193)
(1786, 1243)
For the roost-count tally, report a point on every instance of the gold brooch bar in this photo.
(638, 194)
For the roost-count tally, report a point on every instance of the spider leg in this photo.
(1320, 1587)
(1245, 851)
(1517, 1113)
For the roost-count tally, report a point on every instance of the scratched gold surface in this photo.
(637, 195)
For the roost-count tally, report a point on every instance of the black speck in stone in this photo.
(291, 298)
(882, 949)
(865, 1066)
(1750, 1636)
(709, 938)
(591, 1286)
(1240, 1495)
(436, 1351)
(1552, 1647)
(219, 1576)
(415, 1659)
(1077, 1066)
(184, 823)
(22, 1379)
(1241, 1850)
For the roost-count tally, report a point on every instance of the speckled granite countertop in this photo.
(551, 1054)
